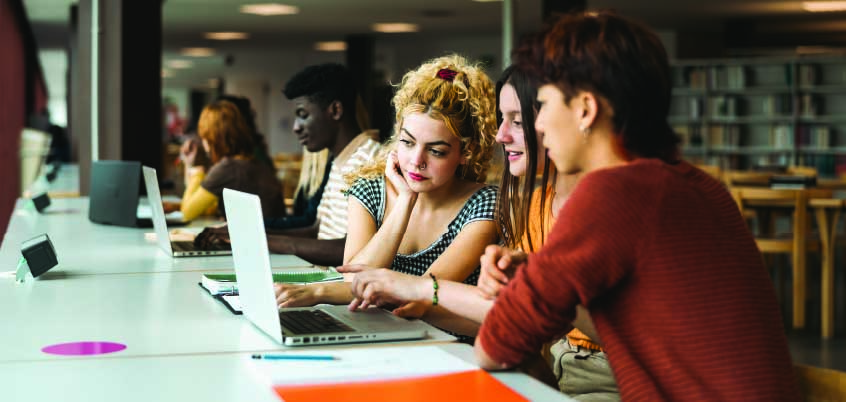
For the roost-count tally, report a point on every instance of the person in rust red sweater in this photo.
(654, 248)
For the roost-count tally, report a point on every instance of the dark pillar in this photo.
(131, 100)
(197, 100)
(79, 124)
(360, 63)
(71, 47)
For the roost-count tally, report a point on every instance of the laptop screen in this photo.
(159, 223)
(252, 261)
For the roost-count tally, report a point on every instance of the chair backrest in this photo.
(35, 145)
(802, 171)
(798, 199)
(818, 384)
(745, 178)
(714, 171)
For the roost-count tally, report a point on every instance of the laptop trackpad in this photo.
(369, 320)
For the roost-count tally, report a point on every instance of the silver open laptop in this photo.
(322, 324)
(170, 247)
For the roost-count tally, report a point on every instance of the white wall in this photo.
(54, 64)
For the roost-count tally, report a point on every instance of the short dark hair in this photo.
(617, 59)
(324, 84)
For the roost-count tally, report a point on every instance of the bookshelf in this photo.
(742, 113)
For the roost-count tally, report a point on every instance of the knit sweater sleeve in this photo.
(590, 249)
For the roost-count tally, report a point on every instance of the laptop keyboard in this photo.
(189, 246)
(311, 322)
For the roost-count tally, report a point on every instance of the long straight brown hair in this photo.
(515, 193)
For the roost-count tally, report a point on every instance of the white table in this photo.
(206, 377)
(113, 285)
(153, 314)
(115, 249)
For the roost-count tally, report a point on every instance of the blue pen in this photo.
(294, 357)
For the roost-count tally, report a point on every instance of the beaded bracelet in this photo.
(435, 287)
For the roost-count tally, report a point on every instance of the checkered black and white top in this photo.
(481, 206)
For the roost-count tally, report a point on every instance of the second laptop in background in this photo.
(172, 247)
(113, 199)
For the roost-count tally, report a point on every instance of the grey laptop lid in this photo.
(258, 299)
(113, 199)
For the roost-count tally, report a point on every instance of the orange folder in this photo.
(467, 386)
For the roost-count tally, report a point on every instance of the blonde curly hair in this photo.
(466, 105)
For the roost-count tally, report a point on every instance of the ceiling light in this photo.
(395, 27)
(824, 6)
(180, 64)
(269, 9)
(332, 46)
(197, 51)
(226, 35)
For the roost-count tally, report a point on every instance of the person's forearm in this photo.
(450, 321)
(334, 293)
(196, 200)
(318, 252)
(463, 300)
(308, 232)
(461, 308)
(381, 249)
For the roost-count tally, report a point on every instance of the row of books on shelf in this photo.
(776, 105)
(740, 77)
(807, 74)
(818, 137)
(727, 136)
(714, 77)
(827, 165)
(740, 162)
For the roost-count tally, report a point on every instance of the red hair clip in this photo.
(447, 74)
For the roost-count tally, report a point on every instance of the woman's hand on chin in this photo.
(394, 174)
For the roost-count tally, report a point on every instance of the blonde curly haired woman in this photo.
(422, 207)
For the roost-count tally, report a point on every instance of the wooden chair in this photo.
(746, 178)
(802, 171)
(796, 243)
(715, 171)
(818, 384)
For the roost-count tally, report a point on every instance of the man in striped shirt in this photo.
(324, 98)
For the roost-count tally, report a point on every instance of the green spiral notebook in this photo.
(219, 284)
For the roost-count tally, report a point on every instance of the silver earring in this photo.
(585, 132)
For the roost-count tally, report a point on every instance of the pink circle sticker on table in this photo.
(83, 348)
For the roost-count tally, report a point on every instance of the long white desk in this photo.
(115, 249)
(112, 285)
(153, 314)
